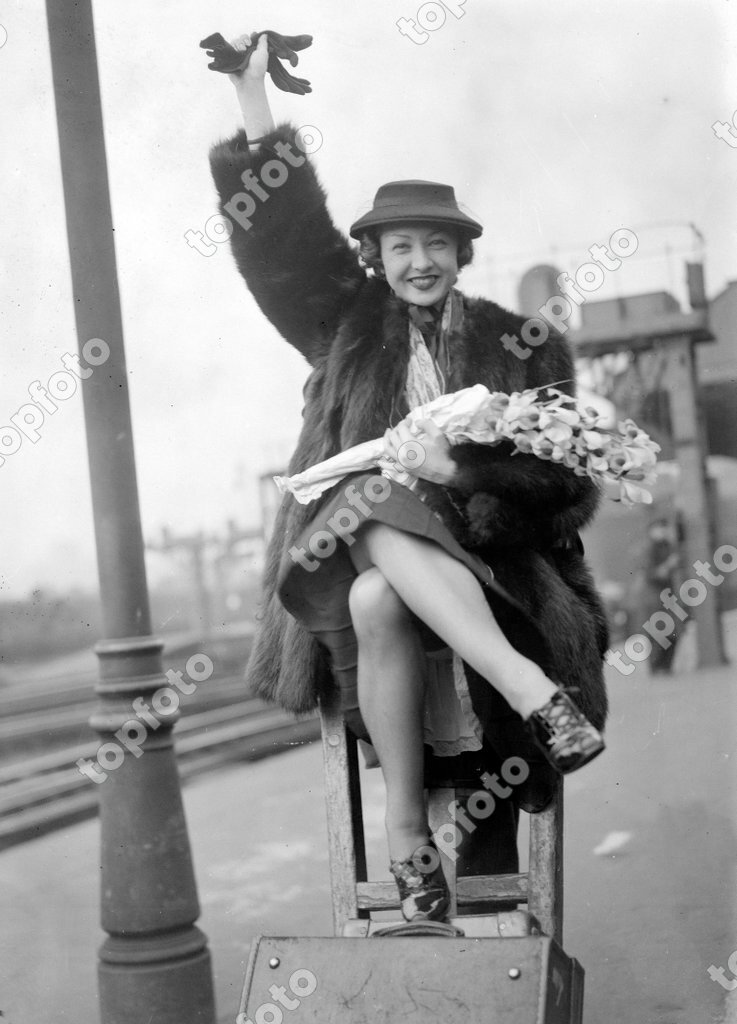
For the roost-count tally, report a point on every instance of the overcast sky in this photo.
(557, 124)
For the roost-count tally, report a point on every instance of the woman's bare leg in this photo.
(446, 595)
(391, 691)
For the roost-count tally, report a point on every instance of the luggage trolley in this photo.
(493, 963)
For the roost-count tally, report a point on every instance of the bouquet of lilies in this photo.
(553, 428)
(558, 430)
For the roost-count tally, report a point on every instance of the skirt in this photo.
(314, 584)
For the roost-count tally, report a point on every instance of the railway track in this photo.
(43, 733)
(28, 724)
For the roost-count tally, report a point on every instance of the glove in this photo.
(229, 60)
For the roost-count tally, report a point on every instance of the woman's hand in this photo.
(251, 88)
(425, 454)
(256, 70)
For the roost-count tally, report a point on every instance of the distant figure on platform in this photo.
(661, 572)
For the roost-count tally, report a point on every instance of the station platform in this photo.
(651, 834)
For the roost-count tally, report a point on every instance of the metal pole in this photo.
(698, 516)
(155, 964)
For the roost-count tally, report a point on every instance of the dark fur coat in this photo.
(521, 514)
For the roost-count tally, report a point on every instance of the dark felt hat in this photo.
(403, 201)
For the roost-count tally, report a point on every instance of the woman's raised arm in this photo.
(300, 269)
(250, 87)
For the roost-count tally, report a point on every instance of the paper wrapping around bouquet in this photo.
(312, 482)
(462, 416)
(548, 429)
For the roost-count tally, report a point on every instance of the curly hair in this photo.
(369, 251)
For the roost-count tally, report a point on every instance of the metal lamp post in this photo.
(154, 964)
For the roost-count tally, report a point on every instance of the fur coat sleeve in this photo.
(298, 266)
(518, 497)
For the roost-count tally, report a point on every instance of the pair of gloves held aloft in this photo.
(229, 60)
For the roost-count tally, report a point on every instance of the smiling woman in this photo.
(420, 263)
(478, 553)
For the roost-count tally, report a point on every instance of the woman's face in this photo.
(420, 261)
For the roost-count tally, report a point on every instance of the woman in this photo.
(482, 555)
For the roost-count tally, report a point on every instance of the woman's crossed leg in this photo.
(400, 573)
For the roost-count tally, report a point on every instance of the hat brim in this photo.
(407, 214)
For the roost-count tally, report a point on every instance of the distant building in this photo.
(716, 361)
(638, 387)
(641, 310)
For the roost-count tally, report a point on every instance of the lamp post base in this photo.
(166, 977)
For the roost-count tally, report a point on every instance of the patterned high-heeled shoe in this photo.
(423, 890)
(564, 734)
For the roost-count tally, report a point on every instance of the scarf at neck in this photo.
(429, 361)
